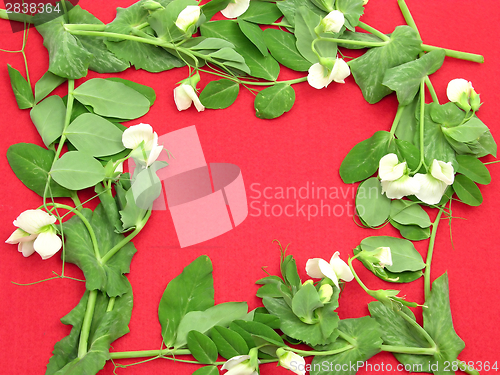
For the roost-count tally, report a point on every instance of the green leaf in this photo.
(141, 55)
(203, 321)
(439, 324)
(94, 135)
(319, 333)
(412, 232)
(467, 132)
(229, 58)
(212, 7)
(103, 61)
(260, 66)
(267, 319)
(405, 79)
(163, 21)
(192, 290)
(408, 152)
(404, 255)
(304, 302)
(207, 370)
(447, 115)
(352, 9)
(201, 347)
(289, 8)
(363, 159)
(77, 170)
(147, 91)
(219, 94)
(305, 23)
(290, 274)
(131, 215)
(113, 99)
(273, 101)
(49, 117)
(45, 85)
(408, 126)
(260, 330)
(369, 69)
(282, 46)
(409, 213)
(261, 13)
(109, 204)
(21, 88)
(68, 58)
(467, 190)
(31, 164)
(371, 205)
(229, 343)
(210, 44)
(254, 33)
(474, 169)
(106, 327)
(108, 277)
(367, 335)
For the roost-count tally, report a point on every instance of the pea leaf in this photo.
(474, 169)
(448, 114)
(289, 8)
(203, 321)
(319, 333)
(212, 7)
(45, 85)
(113, 99)
(106, 327)
(163, 21)
(409, 213)
(219, 94)
(363, 159)
(77, 170)
(408, 152)
(229, 343)
(412, 232)
(48, 117)
(192, 290)
(467, 132)
(207, 370)
(372, 207)
(147, 91)
(261, 13)
(131, 215)
(361, 37)
(108, 277)
(282, 46)
(21, 88)
(259, 330)
(352, 9)
(467, 190)
(408, 126)
(369, 69)
(31, 164)
(273, 101)
(254, 33)
(405, 79)
(404, 255)
(94, 135)
(367, 334)
(304, 302)
(201, 347)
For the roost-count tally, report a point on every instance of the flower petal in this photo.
(318, 76)
(456, 87)
(181, 98)
(153, 155)
(390, 169)
(47, 244)
(32, 221)
(194, 97)
(443, 171)
(431, 189)
(235, 8)
(312, 268)
(401, 187)
(19, 236)
(333, 21)
(26, 248)
(340, 71)
(232, 362)
(136, 134)
(341, 268)
(328, 271)
(188, 17)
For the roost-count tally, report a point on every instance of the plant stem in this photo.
(20, 17)
(421, 121)
(148, 353)
(428, 82)
(354, 42)
(307, 353)
(408, 350)
(76, 200)
(427, 274)
(468, 369)
(349, 261)
(374, 31)
(456, 54)
(85, 27)
(87, 321)
(407, 16)
(349, 339)
(418, 327)
(395, 123)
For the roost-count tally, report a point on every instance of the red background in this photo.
(302, 147)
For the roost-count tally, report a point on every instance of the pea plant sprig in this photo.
(430, 154)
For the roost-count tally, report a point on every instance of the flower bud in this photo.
(291, 361)
(151, 5)
(475, 101)
(187, 19)
(332, 23)
(458, 92)
(325, 293)
(308, 282)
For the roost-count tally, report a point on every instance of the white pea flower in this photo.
(235, 8)
(333, 21)
(383, 255)
(394, 178)
(320, 77)
(144, 142)
(185, 95)
(35, 232)
(434, 184)
(240, 365)
(335, 270)
(458, 91)
(291, 361)
(187, 18)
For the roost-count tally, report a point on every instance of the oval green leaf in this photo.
(409, 213)
(282, 46)
(372, 207)
(229, 343)
(274, 101)
(467, 190)
(49, 117)
(219, 94)
(77, 170)
(202, 348)
(474, 169)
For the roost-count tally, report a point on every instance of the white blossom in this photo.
(333, 21)
(235, 8)
(187, 18)
(239, 365)
(144, 142)
(434, 184)
(383, 254)
(335, 270)
(291, 361)
(320, 77)
(185, 95)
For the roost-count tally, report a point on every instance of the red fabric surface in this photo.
(302, 148)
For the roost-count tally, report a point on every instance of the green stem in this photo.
(127, 239)
(428, 261)
(281, 24)
(349, 261)
(492, 162)
(111, 304)
(87, 321)
(430, 87)
(20, 17)
(421, 121)
(456, 54)
(85, 27)
(76, 200)
(418, 327)
(407, 16)
(374, 31)
(148, 353)
(408, 350)
(349, 339)
(307, 353)
(395, 123)
(468, 369)
(354, 42)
